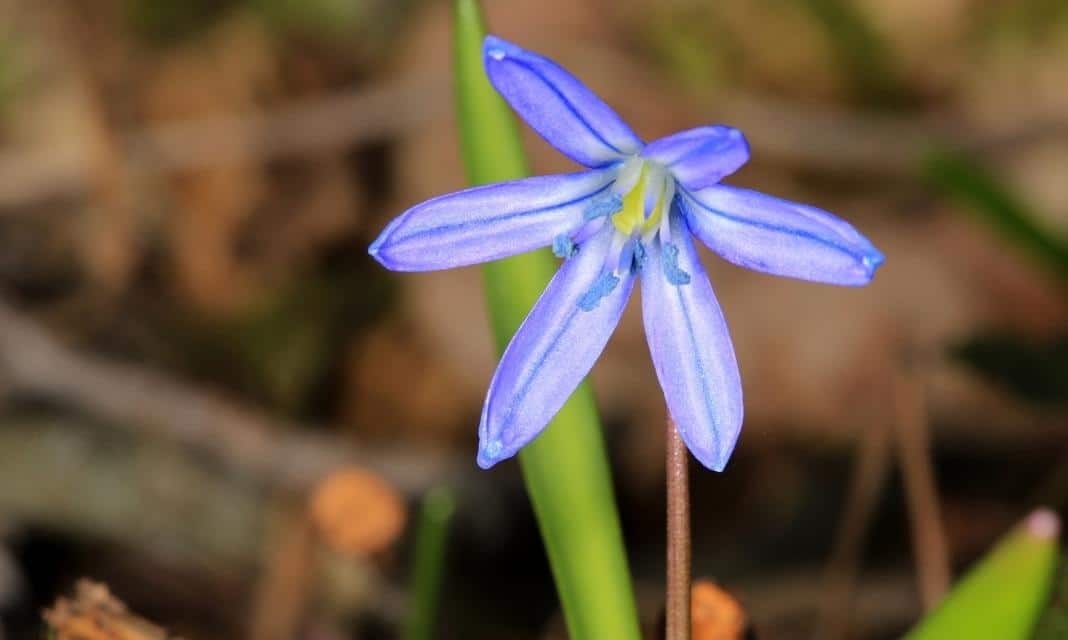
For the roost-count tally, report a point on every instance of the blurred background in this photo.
(216, 404)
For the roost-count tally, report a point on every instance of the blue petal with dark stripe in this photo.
(700, 157)
(780, 237)
(552, 351)
(692, 352)
(489, 222)
(557, 105)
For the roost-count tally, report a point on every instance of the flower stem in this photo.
(677, 619)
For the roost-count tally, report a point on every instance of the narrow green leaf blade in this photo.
(428, 563)
(566, 468)
(1001, 597)
(962, 179)
(866, 58)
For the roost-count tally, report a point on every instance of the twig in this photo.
(834, 139)
(913, 440)
(677, 619)
(168, 505)
(785, 603)
(884, 602)
(285, 587)
(274, 451)
(869, 478)
(332, 123)
(64, 475)
(816, 138)
(837, 140)
(335, 122)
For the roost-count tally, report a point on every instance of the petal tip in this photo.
(870, 263)
(490, 453)
(874, 260)
(733, 134)
(498, 49)
(379, 251)
(715, 461)
(376, 247)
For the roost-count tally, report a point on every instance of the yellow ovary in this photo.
(632, 216)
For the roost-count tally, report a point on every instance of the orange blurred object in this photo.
(717, 615)
(357, 512)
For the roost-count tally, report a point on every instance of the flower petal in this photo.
(557, 105)
(700, 157)
(780, 237)
(489, 222)
(553, 350)
(691, 349)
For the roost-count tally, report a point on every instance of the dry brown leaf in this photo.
(95, 614)
(230, 69)
(402, 387)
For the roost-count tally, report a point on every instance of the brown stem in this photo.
(677, 621)
(921, 489)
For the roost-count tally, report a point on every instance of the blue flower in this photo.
(632, 213)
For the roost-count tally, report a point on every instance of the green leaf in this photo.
(1001, 597)
(566, 468)
(428, 563)
(864, 55)
(168, 22)
(962, 179)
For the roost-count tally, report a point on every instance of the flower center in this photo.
(646, 190)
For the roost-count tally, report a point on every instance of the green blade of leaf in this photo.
(428, 563)
(962, 179)
(566, 468)
(1001, 597)
(863, 54)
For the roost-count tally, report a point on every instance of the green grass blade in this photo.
(1001, 597)
(428, 563)
(864, 56)
(963, 180)
(566, 468)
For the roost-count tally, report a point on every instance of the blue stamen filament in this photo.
(604, 285)
(564, 246)
(672, 272)
(603, 206)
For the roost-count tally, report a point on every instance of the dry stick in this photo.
(285, 454)
(869, 478)
(331, 123)
(289, 577)
(825, 139)
(677, 621)
(932, 557)
(775, 602)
